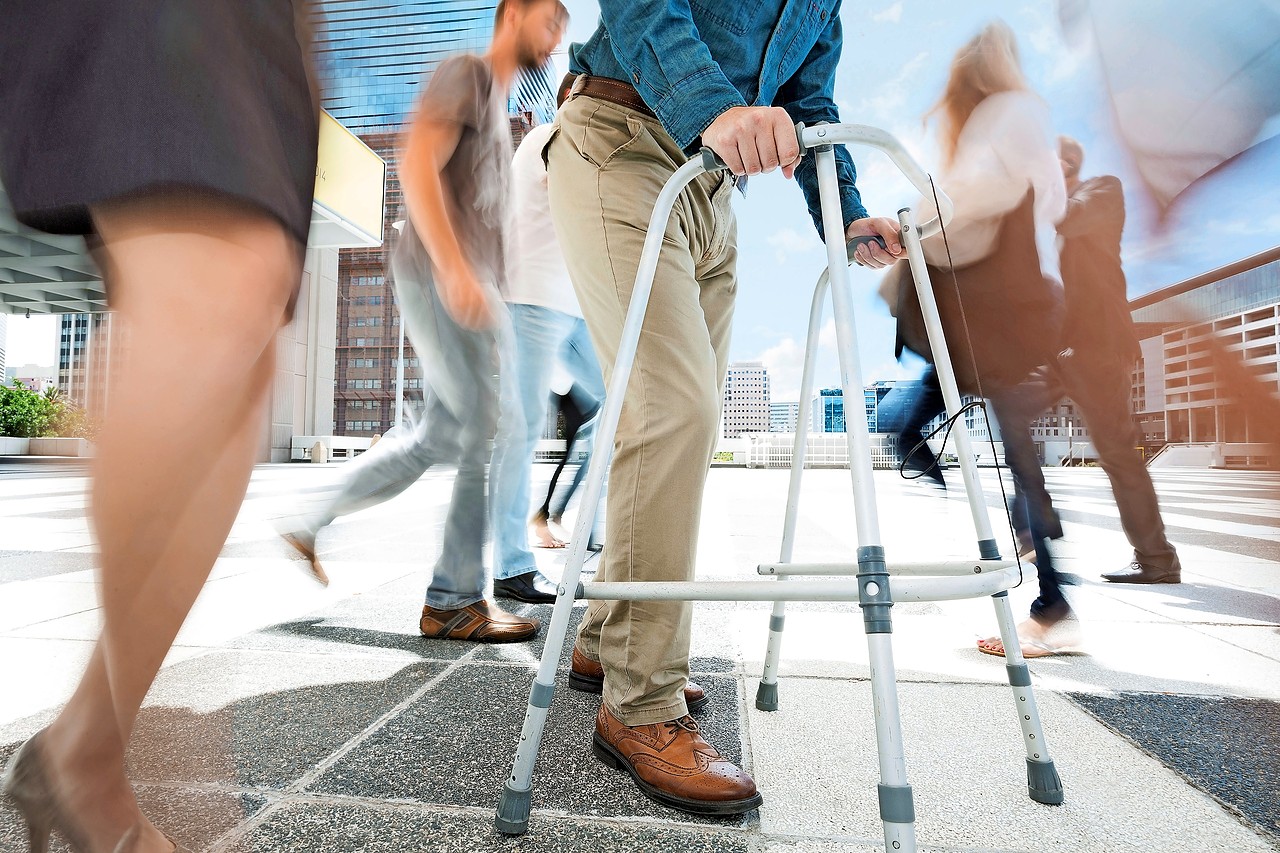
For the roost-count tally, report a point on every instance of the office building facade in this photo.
(746, 399)
(784, 417)
(827, 411)
(1182, 397)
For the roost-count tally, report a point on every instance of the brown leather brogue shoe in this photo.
(587, 675)
(672, 764)
(482, 622)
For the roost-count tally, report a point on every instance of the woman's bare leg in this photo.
(201, 289)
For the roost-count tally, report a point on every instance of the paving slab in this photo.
(965, 760)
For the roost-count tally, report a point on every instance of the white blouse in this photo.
(1006, 147)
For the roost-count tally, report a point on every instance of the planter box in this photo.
(14, 446)
(80, 447)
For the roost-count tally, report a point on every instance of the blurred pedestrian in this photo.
(657, 82)
(450, 267)
(1002, 309)
(578, 409)
(181, 141)
(1095, 367)
(549, 330)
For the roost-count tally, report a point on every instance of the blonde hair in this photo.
(987, 64)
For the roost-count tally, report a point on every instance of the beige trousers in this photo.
(606, 165)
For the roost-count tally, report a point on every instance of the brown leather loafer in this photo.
(671, 764)
(481, 622)
(587, 675)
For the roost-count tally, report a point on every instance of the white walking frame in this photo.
(878, 585)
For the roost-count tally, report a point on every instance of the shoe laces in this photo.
(685, 723)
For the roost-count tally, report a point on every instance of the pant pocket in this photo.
(606, 133)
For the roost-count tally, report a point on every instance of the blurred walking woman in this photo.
(1000, 168)
(179, 136)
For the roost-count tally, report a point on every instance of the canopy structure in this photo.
(52, 274)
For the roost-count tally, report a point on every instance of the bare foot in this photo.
(542, 532)
(1039, 639)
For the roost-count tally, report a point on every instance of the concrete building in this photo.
(1181, 400)
(4, 333)
(32, 376)
(746, 399)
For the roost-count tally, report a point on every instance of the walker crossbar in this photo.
(935, 567)
(874, 585)
(901, 589)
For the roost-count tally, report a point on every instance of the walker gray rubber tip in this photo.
(1043, 784)
(767, 697)
(513, 810)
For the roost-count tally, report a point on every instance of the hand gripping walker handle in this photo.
(712, 163)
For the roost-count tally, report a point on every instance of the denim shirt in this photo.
(692, 60)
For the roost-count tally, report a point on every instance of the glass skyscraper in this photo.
(373, 55)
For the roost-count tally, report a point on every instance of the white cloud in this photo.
(891, 15)
(789, 241)
(887, 105)
(785, 362)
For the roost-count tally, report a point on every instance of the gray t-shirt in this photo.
(477, 177)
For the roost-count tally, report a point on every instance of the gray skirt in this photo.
(102, 100)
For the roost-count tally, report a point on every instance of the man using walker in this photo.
(656, 82)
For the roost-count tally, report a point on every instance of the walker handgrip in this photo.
(860, 240)
(712, 163)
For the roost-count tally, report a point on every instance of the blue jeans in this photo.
(456, 428)
(542, 335)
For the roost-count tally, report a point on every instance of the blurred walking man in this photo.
(450, 267)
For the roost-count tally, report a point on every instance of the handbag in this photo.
(1001, 315)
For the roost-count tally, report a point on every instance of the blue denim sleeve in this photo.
(809, 96)
(669, 64)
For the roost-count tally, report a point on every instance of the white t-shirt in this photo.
(1006, 147)
(538, 275)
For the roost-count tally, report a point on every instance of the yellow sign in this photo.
(350, 182)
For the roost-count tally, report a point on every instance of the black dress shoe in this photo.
(530, 587)
(1136, 572)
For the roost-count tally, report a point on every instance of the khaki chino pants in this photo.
(606, 165)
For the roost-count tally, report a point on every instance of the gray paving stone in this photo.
(455, 747)
(1227, 746)
(321, 827)
(271, 737)
(193, 818)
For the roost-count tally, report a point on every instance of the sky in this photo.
(894, 63)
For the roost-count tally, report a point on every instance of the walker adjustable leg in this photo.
(1043, 784)
(897, 808)
(516, 801)
(767, 692)
(874, 594)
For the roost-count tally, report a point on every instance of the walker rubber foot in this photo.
(513, 810)
(767, 697)
(1043, 784)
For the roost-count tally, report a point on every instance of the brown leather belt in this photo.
(614, 91)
